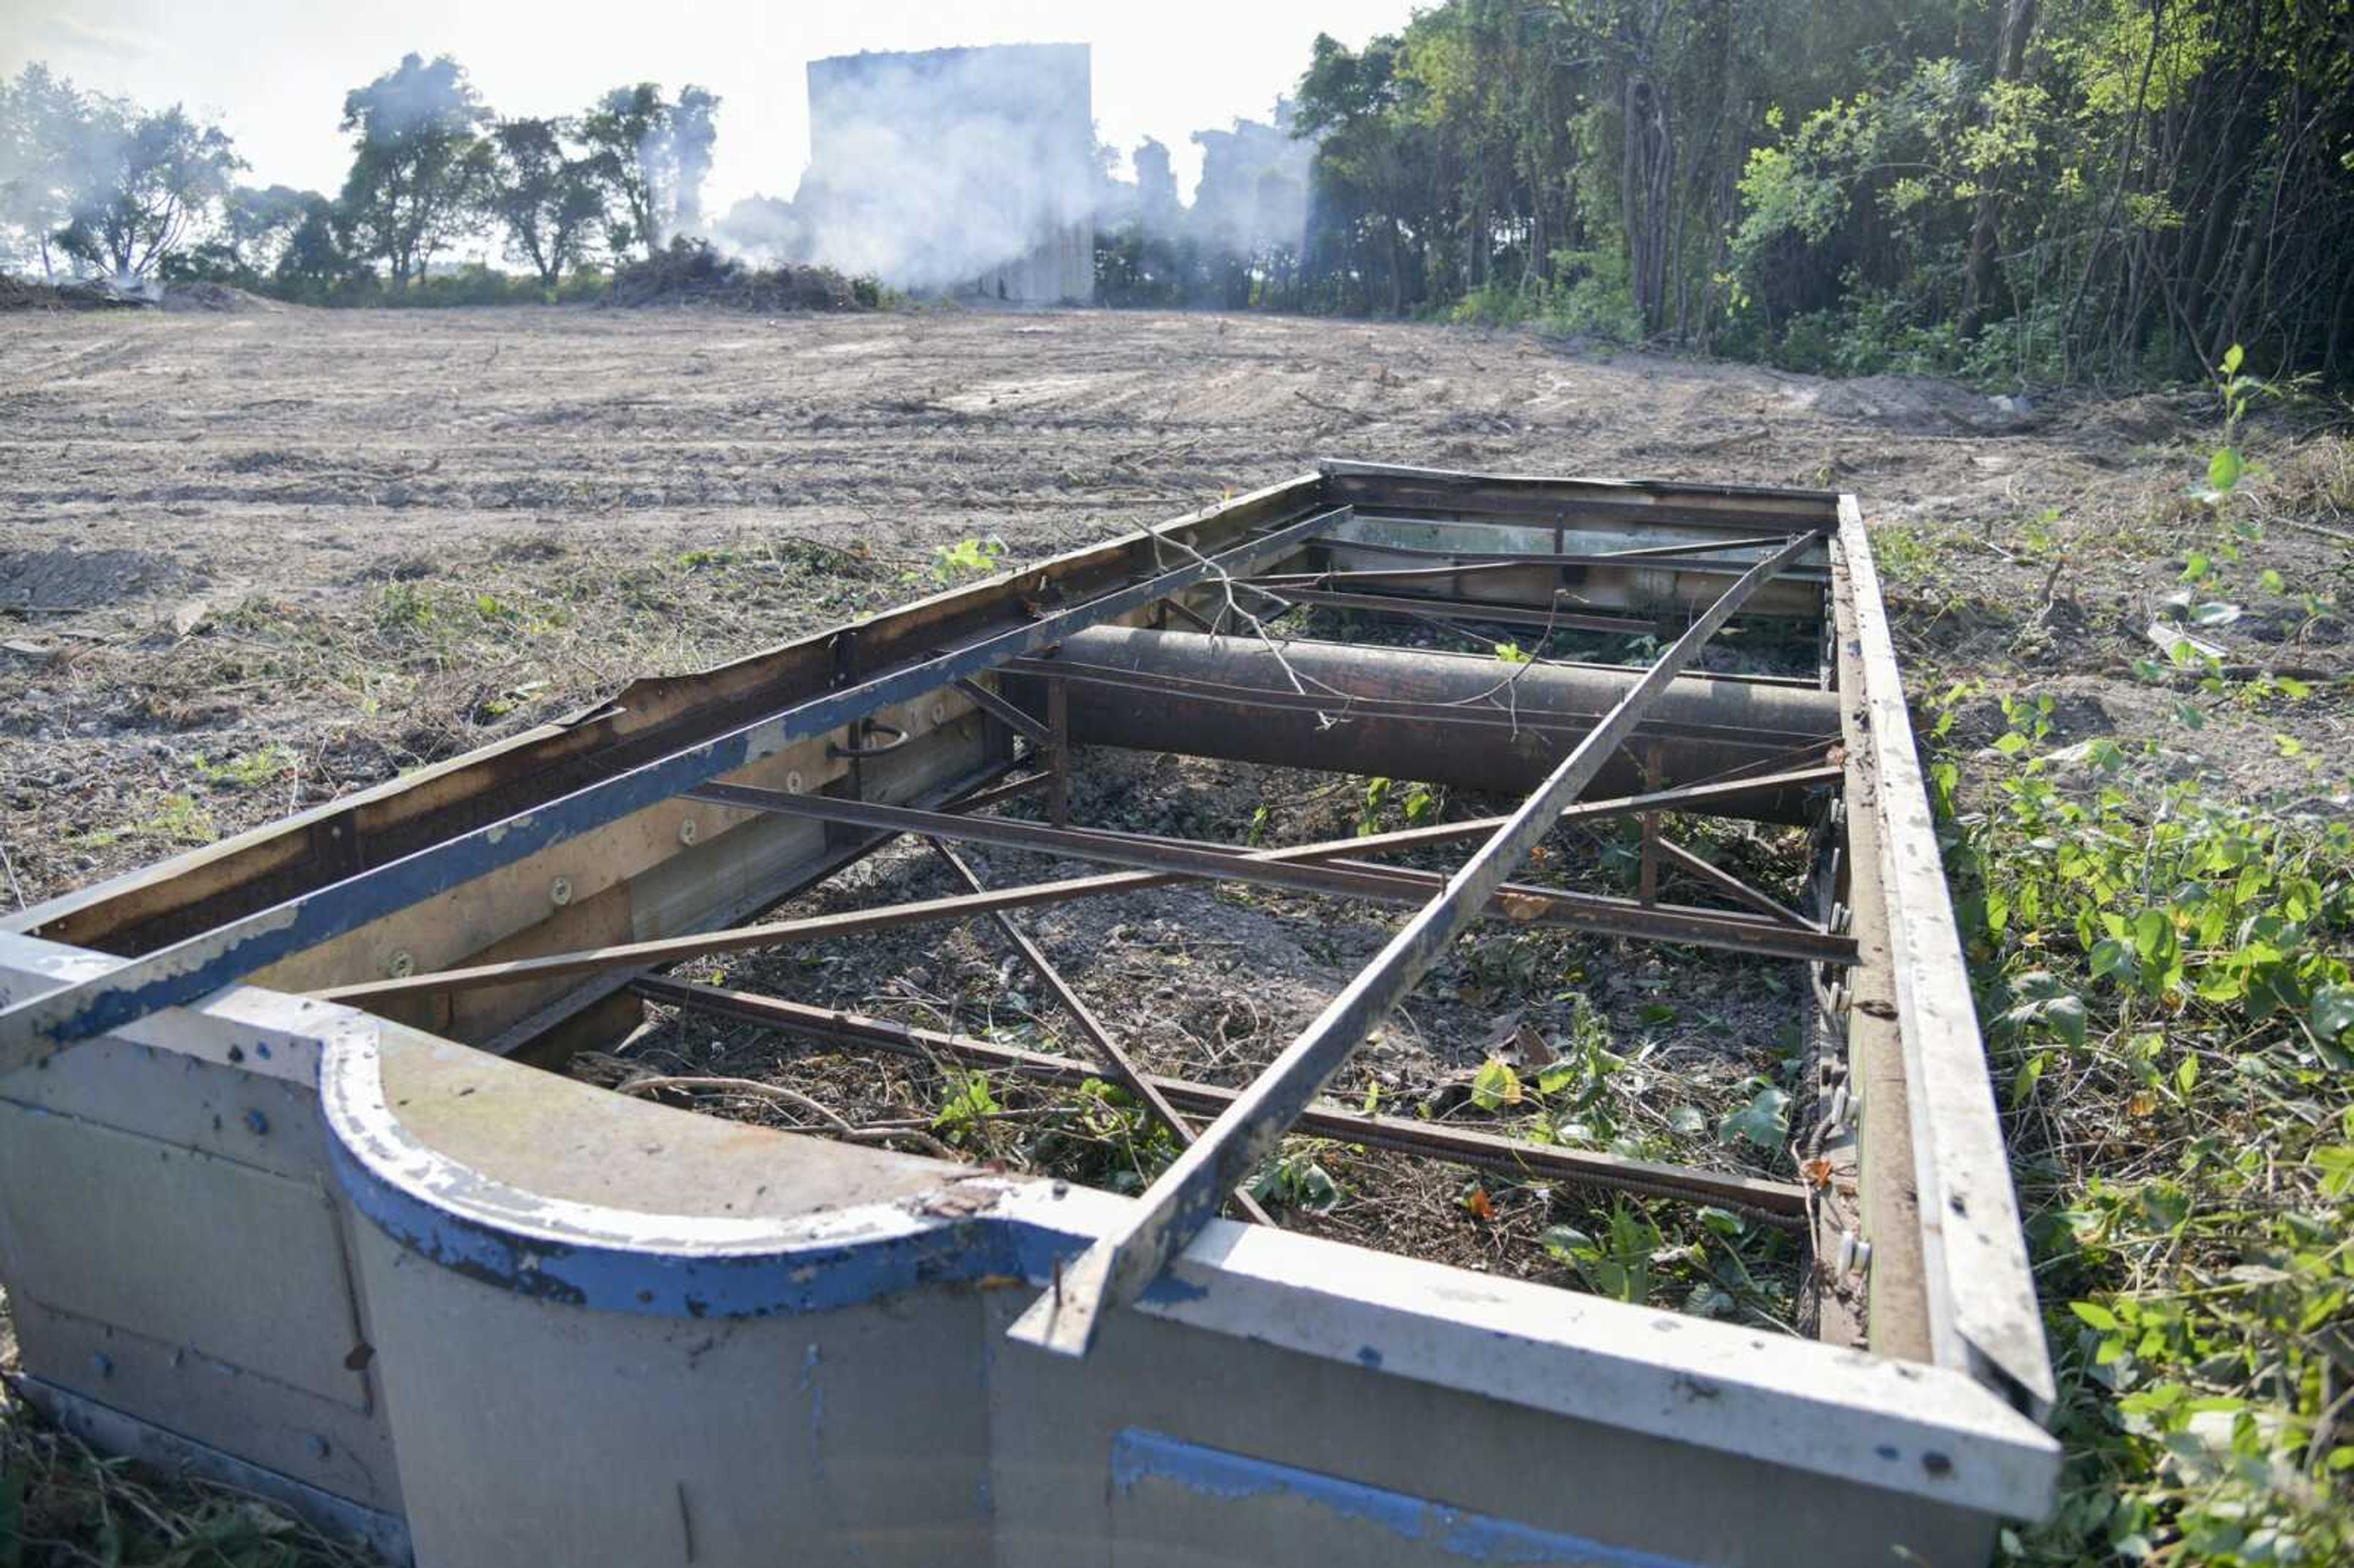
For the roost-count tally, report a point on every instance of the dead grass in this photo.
(62, 1503)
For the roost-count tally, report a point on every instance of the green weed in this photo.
(2166, 988)
(256, 768)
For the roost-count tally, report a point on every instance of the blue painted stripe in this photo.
(643, 1282)
(1139, 1456)
(204, 963)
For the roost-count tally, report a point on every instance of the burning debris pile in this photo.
(690, 273)
(114, 293)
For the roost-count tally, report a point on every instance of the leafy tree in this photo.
(550, 201)
(256, 225)
(655, 155)
(42, 124)
(420, 166)
(318, 256)
(2015, 190)
(1368, 170)
(143, 179)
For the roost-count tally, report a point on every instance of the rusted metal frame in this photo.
(1983, 1316)
(1015, 718)
(1698, 798)
(1553, 498)
(1333, 577)
(1654, 840)
(1492, 715)
(1058, 753)
(1187, 613)
(1547, 906)
(1108, 1053)
(1896, 1315)
(1696, 547)
(1732, 886)
(1466, 610)
(1779, 1202)
(521, 1037)
(1117, 1268)
(32, 1029)
(1459, 559)
(1505, 562)
(998, 794)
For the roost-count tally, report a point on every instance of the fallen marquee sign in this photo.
(288, 1195)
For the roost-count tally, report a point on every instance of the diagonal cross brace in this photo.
(34, 1029)
(1118, 1268)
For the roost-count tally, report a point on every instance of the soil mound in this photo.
(39, 581)
(1917, 404)
(692, 273)
(24, 294)
(18, 294)
(214, 297)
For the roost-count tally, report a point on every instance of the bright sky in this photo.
(274, 72)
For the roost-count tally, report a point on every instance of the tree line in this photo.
(2038, 190)
(100, 182)
(2030, 191)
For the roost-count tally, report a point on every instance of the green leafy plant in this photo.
(1297, 1180)
(968, 557)
(1495, 1085)
(1576, 1086)
(2164, 979)
(1763, 1120)
(258, 767)
(965, 1102)
(1619, 1263)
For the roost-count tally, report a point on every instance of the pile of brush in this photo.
(690, 273)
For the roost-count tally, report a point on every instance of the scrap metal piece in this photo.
(1732, 886)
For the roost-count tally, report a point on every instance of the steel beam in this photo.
(997, 794)
(1732, 886)
(1780, 1203)
(1118, 1268)
(1521, 900)
(32, 1029)
(991, 702)
(1500, 612)
(778, 933)
(1442, 718)
(1983, 1316)
(1454, 561)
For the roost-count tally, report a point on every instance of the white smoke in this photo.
(763, 230)
(933, 171)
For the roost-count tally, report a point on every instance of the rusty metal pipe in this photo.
(1441, 719)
